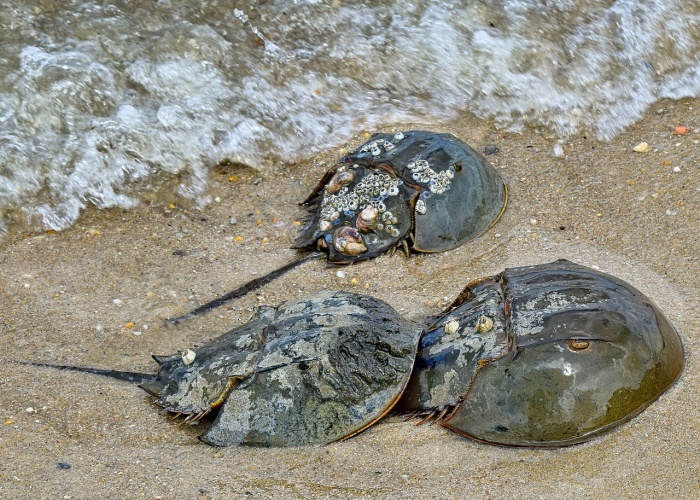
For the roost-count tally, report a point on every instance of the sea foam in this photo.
(104, 104)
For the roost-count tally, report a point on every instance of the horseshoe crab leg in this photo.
(246, 288)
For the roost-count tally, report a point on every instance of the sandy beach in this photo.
(98, 294)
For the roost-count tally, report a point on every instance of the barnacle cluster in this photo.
(375, 147)
(371, 191)
(438, 182)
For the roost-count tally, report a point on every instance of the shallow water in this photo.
(109, 104)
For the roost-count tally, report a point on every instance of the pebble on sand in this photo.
(680, 130)
(642, 147)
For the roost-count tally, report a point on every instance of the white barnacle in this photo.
(188, 356)
(420, 207)
(451, 326)
(398, 136)
(394, 232)
(422, 164)
(388, 218)
(375, 147)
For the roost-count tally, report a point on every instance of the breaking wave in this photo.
(104, 104)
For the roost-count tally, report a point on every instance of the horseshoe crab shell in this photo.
(430, 189)
(567, 353)
(311, 371)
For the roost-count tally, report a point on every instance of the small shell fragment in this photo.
(188, 356)
(642, 147)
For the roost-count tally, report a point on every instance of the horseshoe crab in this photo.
(310, 371)
(429, 189)
(547, 355)
(417, 190)
(541, 356)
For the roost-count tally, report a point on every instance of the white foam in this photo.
(105, 104)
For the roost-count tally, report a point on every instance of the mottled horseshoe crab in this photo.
(543, 356)
(547, 355)
(311, 371)
(417, 190)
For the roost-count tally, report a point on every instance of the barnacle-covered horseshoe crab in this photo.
(417, 190)
(547, 355)
(429, 191)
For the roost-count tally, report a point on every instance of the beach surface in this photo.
(98, 295)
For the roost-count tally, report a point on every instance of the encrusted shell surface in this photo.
(432, 185)
(311, 371)
(571, 354)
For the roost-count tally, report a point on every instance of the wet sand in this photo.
(98, 294)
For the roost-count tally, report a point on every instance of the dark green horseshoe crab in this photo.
(547, 355)
(416, 190)
(544, 356)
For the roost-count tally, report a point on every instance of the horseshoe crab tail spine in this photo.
(133, 377)
(246, 288)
